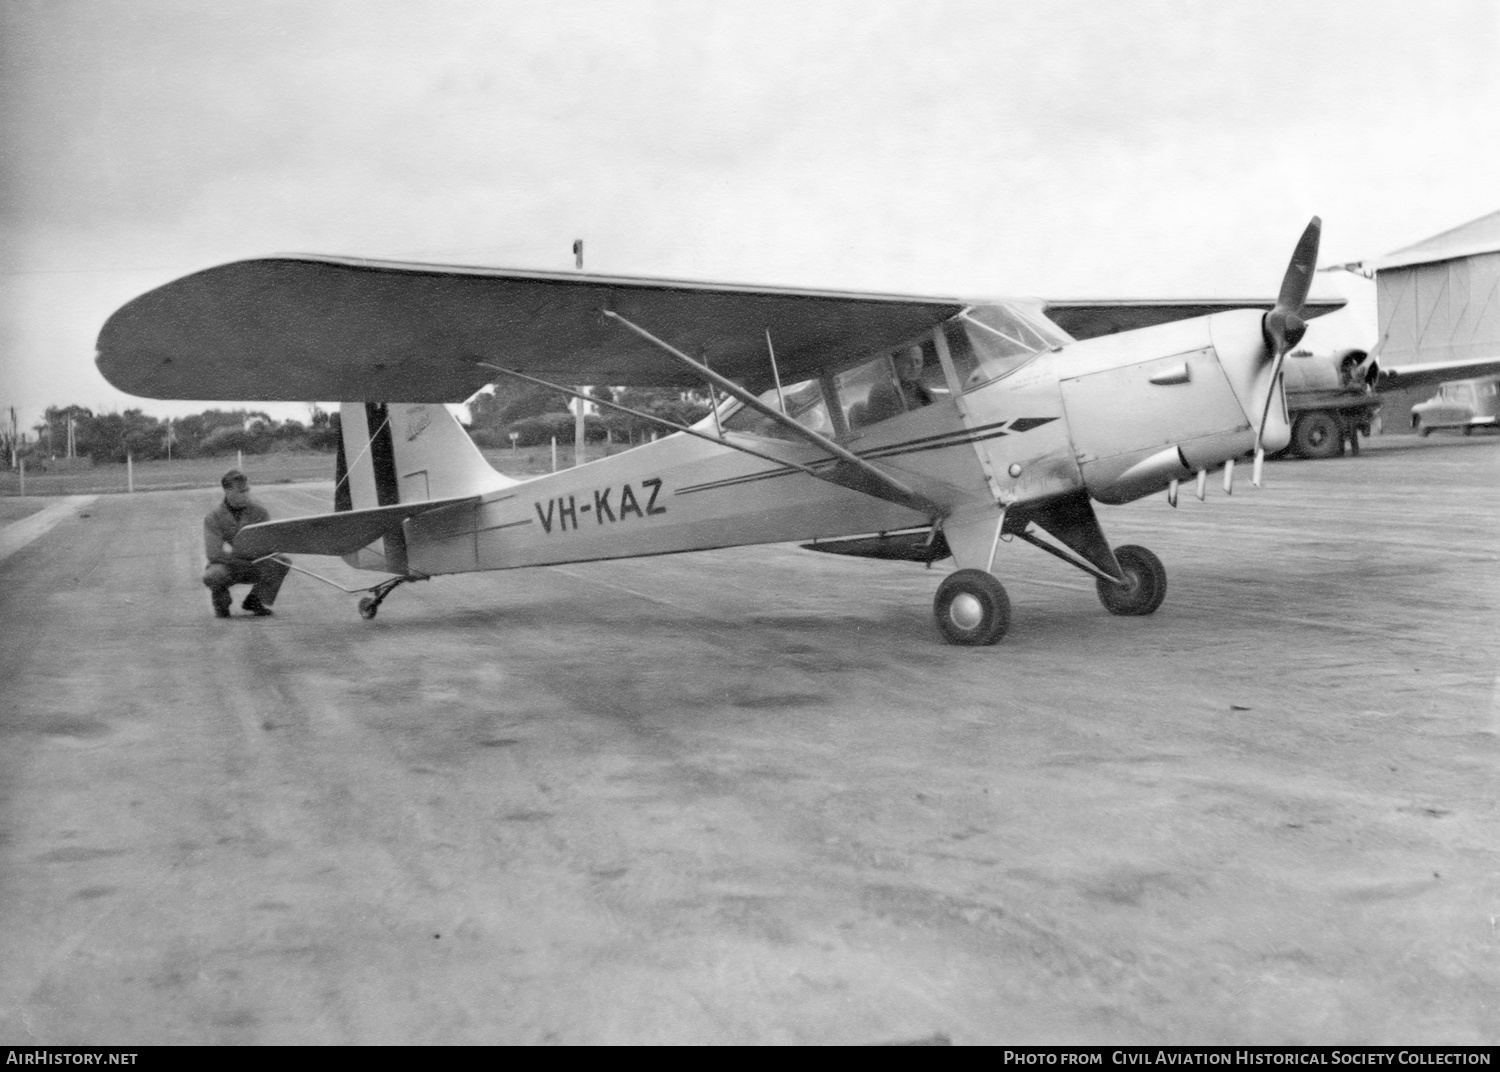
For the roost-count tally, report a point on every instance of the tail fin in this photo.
(402, 453)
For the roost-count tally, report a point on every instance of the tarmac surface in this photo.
(750, 796)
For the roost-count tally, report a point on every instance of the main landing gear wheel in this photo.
(1317, 435)
(972, 608)
(1145, 583)
(367, 607)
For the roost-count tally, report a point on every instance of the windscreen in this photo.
(991, 341)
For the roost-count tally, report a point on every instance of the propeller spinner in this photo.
(1283, 326)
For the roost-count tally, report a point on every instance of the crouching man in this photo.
(224, 567)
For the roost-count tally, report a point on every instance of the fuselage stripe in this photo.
(895, 450)
(506, 525)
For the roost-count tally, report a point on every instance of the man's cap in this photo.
(234, 476)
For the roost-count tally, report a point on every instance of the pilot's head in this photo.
(236, 488)
(909, 363)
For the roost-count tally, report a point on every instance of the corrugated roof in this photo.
(1476, 236)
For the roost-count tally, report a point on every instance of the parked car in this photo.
(1466, 404)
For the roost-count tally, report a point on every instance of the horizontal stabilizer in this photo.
(1431, 374)
(339, 533)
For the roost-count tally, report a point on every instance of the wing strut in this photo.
(884, 486)
(657, 420)
(780, 399)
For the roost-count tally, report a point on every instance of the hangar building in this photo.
(1437, 300)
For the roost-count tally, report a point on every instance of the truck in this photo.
(1331, 400)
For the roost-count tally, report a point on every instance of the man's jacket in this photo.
(221, 525)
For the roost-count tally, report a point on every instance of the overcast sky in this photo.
(1128, 149)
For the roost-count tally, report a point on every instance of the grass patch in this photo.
(282, 467)
(15, 509)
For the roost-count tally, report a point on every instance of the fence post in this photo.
(23, 478)
(129, 472)
(578, 429)
(554, 454)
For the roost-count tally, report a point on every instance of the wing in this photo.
(1426, 375)
(298, 327)
(332, 534)
(1090, 319)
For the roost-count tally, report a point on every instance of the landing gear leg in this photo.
(971, 606)
(1130, 580)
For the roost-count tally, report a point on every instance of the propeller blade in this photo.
(1298, 279)
(1283, 325)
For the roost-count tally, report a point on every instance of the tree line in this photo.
(536, 414)
(110, 437)
(533, 414)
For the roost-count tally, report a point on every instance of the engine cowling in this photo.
(1140, 420)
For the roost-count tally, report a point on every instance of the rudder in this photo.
(391, 453)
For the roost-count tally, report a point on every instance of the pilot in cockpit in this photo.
(907, 393)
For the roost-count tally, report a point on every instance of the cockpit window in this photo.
(804, 404)
(1000, 339)
(887, 386)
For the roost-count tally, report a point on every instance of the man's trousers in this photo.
(266, 575)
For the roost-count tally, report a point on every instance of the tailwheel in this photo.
(1145, 583)
(369, 605)
(972, 608)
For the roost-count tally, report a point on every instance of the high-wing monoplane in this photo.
(909, 428)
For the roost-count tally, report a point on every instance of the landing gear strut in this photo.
(971, 605)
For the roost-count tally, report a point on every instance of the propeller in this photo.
(1283, 326)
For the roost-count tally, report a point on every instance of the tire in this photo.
(368, 607)
(1146, 583)
(1316, 434)
(971, 608)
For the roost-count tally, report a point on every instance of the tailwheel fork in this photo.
(369, 605)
